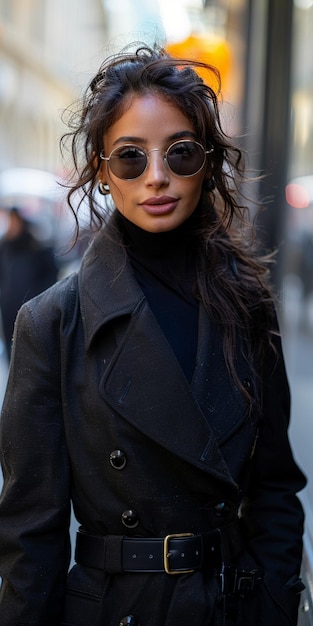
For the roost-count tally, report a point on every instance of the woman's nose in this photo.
(157, 173)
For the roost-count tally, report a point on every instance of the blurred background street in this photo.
(264, 51)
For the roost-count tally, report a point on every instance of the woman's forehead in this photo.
(150, 114)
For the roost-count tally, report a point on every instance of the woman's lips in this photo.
(159, 205)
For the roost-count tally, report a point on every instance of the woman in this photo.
(149, 390)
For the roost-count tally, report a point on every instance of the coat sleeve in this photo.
(35, 504)
(272, 510)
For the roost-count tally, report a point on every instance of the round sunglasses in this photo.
(184, 158)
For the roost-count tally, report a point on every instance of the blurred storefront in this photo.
(297, 266)
(299, 191)
(46, 50)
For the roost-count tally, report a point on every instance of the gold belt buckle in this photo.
(167, 555)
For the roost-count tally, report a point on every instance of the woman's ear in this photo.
(100, 166)
(96, 161)
(101, 169)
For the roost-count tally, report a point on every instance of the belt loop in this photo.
(88, 551)
(113, 554)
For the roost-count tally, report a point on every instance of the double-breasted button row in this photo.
(130, 519)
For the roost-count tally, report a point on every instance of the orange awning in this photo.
(211, 49)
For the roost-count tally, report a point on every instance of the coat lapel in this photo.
(147, 387)
(218, 396)
(144, 383)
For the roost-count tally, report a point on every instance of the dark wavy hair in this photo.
(232, 277)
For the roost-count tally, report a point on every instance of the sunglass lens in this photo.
(128, 162)
(185, 158)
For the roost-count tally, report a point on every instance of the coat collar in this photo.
(106, 284)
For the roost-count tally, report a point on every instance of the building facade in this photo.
(46, 48)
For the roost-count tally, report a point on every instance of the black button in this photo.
(130, 620)
(247, 383)
(118, 459)
(130, 519)
(221, 509)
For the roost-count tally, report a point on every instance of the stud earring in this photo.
(103, 188)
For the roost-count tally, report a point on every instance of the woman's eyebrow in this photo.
(183, 133)
(142, 140)
(129, 139)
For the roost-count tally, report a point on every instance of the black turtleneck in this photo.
(164, 266)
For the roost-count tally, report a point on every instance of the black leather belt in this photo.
(175, 554)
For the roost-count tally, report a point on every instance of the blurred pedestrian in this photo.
(27, 267)
(149, 389)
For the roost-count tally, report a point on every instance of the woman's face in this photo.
(158, 200)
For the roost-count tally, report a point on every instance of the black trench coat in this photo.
(92, 373)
